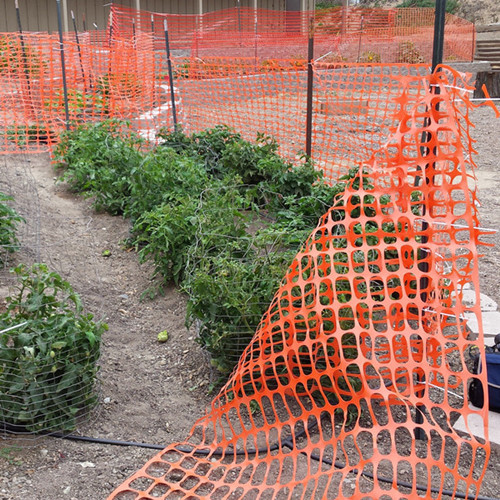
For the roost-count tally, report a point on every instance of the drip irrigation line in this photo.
(288, 442)
(404, 484)
(115, 442)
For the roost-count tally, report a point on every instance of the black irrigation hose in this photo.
(288, 442)
(114, 442)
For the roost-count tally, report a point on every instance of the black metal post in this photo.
(310, 85)
(423, 254)
(360, 36)
(153, 29)
(23, 50)
(134, 34)
(438, 43)
(170, 73)
(63, 63)
(79, 49)
(110, 29)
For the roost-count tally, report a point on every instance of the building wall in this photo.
(41, 15)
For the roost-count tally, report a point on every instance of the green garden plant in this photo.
(20, 58)
(9, 223)
(451, 5)
(98, 160)
(219, 216)
(49, 349)
(24, 135)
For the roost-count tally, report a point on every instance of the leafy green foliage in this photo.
(451, 5)
(79, 103)
(163, 177)
(98, 160)
(20, 57)
(328, 4)
(118, 84)
(217, 215)
(9, 222)
(23, 135)
(49, 349)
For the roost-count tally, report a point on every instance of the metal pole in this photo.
(170, 73)
(23, 49)
(360, 35)
(438, 44)
(63, 62)
(110, 28)
(65, 15)
(79, 49)
(153, 29)
(423, 256)
(310, 84)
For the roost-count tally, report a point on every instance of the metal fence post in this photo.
(63, 63)
(170, 74)
(310, 89)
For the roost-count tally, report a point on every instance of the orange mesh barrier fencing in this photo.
(360, 366)
(352, 110)
(351, 35)
(352, 106)
(106, 78)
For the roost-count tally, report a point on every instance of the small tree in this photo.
(451, 5)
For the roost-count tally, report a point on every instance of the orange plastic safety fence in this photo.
(351, 35)
(224, 73)
(361, 364)
(352, 109)
(105, 78)
(109, 77)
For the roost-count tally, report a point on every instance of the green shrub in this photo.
(164, 177)
(217, 215)
(23, 135)
(9, 223)
(98, 160)
(14, 57)
(49, 350)
(79, 103)
(328, 4)
(451, 5)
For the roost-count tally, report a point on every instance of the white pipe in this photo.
(65, 15)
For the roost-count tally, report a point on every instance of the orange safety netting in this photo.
(359, 368)
(122, 73)
(352, 104)
(349, 34)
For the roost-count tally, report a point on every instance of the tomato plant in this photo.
(49, 349)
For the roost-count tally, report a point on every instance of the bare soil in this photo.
(150, 392)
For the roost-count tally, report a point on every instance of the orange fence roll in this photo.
(361, 364)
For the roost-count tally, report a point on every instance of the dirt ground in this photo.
(150, 392)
